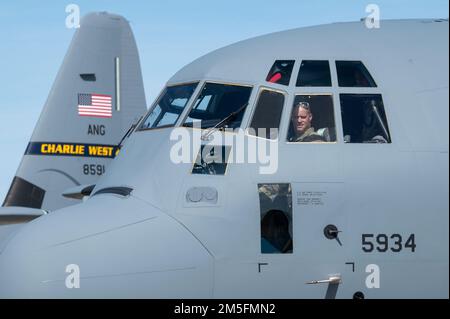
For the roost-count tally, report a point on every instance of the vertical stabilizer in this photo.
(97, 95)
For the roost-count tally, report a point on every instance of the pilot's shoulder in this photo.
(313, 137)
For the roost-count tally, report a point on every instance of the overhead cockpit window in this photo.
(281, 71)
(312, 119)
(353, 74)
(314, 73)
(266, 119)
(364, 119)
(169, 106)
(275, 201)
(219, 104)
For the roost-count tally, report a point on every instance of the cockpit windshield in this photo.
(169, 106)
(216, 102)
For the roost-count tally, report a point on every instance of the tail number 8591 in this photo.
(93, 169)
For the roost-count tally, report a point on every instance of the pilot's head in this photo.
(301, 118)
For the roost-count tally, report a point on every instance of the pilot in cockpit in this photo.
(301, 123)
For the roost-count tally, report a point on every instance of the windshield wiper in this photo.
(380, 120)
(222, 123)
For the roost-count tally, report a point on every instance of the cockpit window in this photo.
(314, 73)
(217, 102)
(212, 160)
(280, 73)
(266, 119)
(169, 106)
(353, 74)
(275, 202)
(364, 119)
(312, 119)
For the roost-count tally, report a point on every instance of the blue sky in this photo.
(169, 34)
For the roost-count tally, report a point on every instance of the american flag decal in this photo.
(95, 105)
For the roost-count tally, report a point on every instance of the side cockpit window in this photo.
(266, 118)
(353, 74)
(364, 119)
(169, 107)
(312, 119)
(281, 71)
(276, 218)
(314, 73)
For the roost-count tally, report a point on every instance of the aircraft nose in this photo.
(105, 248)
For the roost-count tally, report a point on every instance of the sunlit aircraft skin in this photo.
(142, 235)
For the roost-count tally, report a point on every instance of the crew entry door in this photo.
(304, 234)
(321, 240)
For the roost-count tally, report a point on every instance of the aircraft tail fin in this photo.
(97, 95)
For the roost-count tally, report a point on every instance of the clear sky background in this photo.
(169, 34)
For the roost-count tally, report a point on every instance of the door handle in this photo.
(332, 280)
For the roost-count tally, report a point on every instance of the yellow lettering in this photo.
(105, 151)
(51, 148)
(99, 150)
(92, 150)
(66, 149)
(81, 149)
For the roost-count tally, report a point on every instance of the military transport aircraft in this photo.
(351, 202)
(97, 95)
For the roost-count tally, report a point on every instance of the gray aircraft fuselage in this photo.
(365, 219)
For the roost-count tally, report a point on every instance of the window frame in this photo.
(290, 76)
(289, 215)
(155, 103)
(293, 98)
(379, 89)
(329, 87)
(387, 116)
(354, 87)
(211, 175)
(197, 94)
(262, 88)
